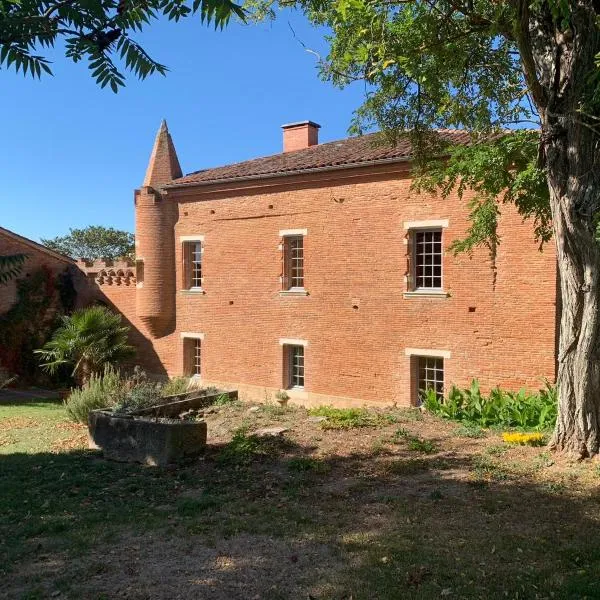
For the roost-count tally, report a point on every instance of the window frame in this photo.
(421, 362)
(287, 237)
(293, 260)
(414, 233)
(292, 352)
(187, 253)
(192, 354)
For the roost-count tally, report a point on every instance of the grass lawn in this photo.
(404, 506)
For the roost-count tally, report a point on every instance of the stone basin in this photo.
(153, 435)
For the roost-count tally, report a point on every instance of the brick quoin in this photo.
(355, 319)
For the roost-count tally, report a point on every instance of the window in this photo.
(193, 356)
(295, 366)
(427, 255)
(293, 258)
(192, 264)
(430, 375)
(197, 363)
(139, 271)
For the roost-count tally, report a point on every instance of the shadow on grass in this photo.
(8, 398)
(292, 524)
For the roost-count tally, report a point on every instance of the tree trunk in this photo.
(83, 373)
(578, 378)
(571, 147)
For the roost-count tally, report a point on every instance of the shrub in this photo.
(307, 463)
(469, 431)
(421, 445)
(345, 418)
(499, 408)
(175, 385)
(101, 391)
(223, 400)
(246, 447)
(142, 395)
(86, 340)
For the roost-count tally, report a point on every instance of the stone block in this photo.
(145, 440)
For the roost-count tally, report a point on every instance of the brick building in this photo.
(48, 285)
(318, 270)
(37, 256)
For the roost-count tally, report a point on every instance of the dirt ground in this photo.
(410, 507)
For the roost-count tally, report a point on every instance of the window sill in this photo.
(294, 292)
(192, 291)
(427, 294)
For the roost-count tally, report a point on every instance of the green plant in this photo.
(399, 435)
(87, 340)
(500, 408)
(175, 386)
(485, 469)
(98, 32)
(282, 397)
(29, 323)
(497, 450)
(101, 391)
(141, 395)
(307, 463)
(273, 410)
(11, 266)
(223, 399)
(93, 242)
(469, 431)
(421, 445)
(245, 447)
(345, 418)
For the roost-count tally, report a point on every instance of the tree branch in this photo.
(523, 38)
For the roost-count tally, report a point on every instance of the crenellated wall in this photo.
(114, 283)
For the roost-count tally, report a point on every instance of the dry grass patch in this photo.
(403, 507)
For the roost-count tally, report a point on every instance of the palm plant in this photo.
(10, 266)
(88, 339)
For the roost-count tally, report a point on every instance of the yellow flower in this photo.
(516, 437)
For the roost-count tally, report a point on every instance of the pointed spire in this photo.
(164, 164)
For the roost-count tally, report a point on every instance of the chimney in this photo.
(300, 135)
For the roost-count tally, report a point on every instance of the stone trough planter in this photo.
(154, 435)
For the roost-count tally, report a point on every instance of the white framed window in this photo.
(192, 354)
(292, 247)
(192, 251)
(192, 349)
(427, 259)
(197, 358)
(293, 259)
(429, 376)
(294, 366)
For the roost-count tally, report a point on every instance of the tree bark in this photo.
(571, 149)
(84, 372)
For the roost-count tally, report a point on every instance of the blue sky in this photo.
(73, 153)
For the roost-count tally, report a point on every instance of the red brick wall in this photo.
(36, 258)
(355, 255)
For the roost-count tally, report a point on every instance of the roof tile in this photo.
(341, 153)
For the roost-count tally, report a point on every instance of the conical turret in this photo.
(164, 164)
(155, 220)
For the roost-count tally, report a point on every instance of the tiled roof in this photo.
(357, 151)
